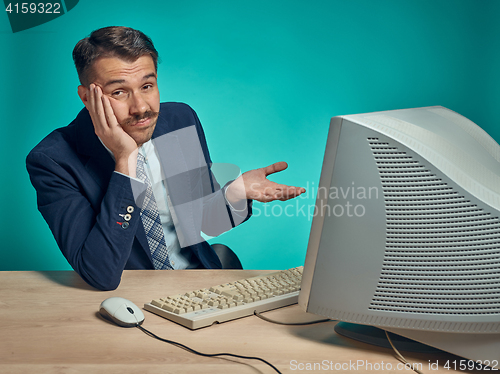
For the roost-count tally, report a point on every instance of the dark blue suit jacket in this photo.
(83, 200)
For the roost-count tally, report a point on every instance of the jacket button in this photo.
(125, 225)
(130, 209)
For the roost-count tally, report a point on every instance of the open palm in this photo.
(254, 185)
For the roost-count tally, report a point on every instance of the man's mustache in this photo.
(139, 117)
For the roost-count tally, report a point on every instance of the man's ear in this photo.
(83, 92)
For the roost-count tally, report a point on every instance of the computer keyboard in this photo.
(225, 302)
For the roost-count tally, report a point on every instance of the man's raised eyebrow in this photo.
(116, 81)
(146, 77)
(121, 81)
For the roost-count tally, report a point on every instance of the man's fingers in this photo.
(279, 192)
(284, 193)
(101, 111)
(258, 187)
(90, 100)
(276, 167)
(98, 111)
(93, 108)
(99, 107)
(108, 112)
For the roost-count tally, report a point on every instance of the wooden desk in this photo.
(50, 324)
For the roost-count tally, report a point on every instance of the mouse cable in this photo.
(179, 345)
(400, 357)
(291, 323)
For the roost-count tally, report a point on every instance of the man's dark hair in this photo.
(113, 41)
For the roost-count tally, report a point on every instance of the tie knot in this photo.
(140, 157)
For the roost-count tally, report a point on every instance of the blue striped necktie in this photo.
(151, 221)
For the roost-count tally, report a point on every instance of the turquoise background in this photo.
(265, 77)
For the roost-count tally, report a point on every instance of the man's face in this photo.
(133, 93)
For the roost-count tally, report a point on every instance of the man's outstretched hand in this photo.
(254, 185)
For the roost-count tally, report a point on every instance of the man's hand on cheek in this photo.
(110, 132)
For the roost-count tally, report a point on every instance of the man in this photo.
(127, 185)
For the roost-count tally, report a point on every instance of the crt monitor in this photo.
(406, 231)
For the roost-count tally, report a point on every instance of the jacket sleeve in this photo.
(96, 240)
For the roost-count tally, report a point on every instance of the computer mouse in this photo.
(121, 311)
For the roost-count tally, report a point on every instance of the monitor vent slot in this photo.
(442, 253)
